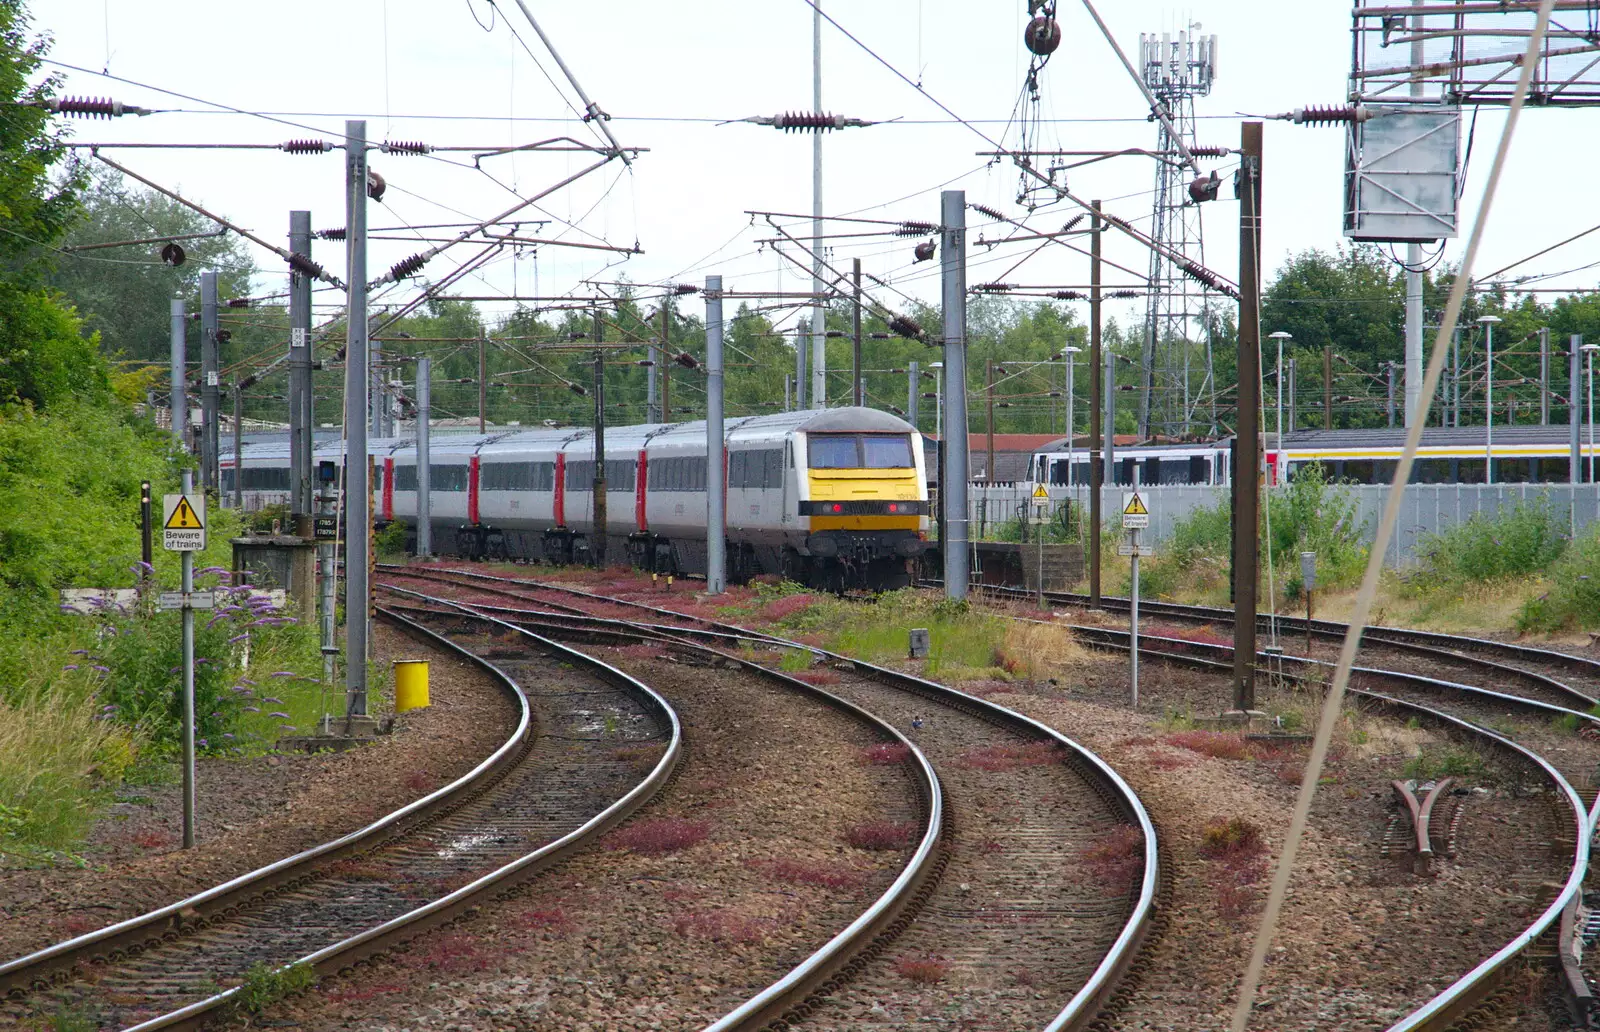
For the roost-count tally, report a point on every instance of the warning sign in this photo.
(1040, 493)
(1135, 514)
(183, 523)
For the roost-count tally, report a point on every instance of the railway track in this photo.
(1011, 933)
(551, 787)
(1472, 996)
(1474, 711)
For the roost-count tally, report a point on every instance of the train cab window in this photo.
(886, 451)
(1059, 470)
(1199, 471)
(832, 451)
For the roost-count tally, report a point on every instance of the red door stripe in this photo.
(472, 490)
(640, 479)
(388, 490)
(561, 489)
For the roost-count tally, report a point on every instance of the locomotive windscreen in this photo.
(860, 451)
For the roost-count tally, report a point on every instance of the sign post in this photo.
(183, 530)
(1135, 517)
(1308, 581)
(1039, 516)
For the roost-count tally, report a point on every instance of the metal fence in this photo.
(1426, 509)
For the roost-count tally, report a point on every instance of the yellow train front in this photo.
(861, 500)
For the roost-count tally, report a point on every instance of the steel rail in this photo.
(341, 955)
(1084, 1004)
(805, 977)
(1467, 991)
(1424, 642)
(37, 970)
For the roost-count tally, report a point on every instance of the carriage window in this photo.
(405, 478)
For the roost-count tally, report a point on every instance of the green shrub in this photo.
(1573, 601)
(139, 660)
(390, 542)
(1523, 540)
(1312, 514)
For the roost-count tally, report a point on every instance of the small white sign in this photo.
(195, 600)
(213, 379)
(1039, 512)
(1138, 550)
(1135, 513)
(183, 522)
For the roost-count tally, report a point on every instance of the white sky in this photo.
(648, 64)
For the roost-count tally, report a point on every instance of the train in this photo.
(833, 498)
(1452, 455)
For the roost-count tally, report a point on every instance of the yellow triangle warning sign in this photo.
(183, 517)
(1040, 492)
(1135, 507)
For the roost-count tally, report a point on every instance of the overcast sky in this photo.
(454, 73)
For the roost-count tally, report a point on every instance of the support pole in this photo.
(819, 321)
(1544, 376)
(357, 493)
(1109, 374)
(912, 383)
(186, 560)
(716, 473)
(424, 457)
(1294, 409)
(1327, 388)
(656, 353)
(1247, 472)
(1574, 417)
(180, 371)
(483, 368)
(597, 536)
(666, 362)
(146, 556)
(1096, 401)
(238, 445)
(210, 380)
(1389, 366)
(954, 486)
(988, 392)
(301, 398)
(859, 388)
(1414, 261)
(802, 363)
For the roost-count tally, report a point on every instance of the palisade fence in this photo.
(1427, 509)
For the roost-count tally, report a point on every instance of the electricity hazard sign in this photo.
(183, 522)
(1135, 513)
(1039, 493)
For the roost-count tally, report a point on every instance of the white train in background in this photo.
(836, 498)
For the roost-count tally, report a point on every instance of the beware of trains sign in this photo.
(183, 523)
(1135, 513)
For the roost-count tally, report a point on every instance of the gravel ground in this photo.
(252, 812)
(617, 939)
(1361, 940)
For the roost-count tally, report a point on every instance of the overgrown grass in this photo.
(1573, 601)
(1311, 514)
(1522, 540)
(57, 764)
(1444, 762)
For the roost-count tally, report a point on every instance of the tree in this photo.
(124, 293)
(34, 210)
(43, 358)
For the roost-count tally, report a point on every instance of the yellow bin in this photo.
(410, 684)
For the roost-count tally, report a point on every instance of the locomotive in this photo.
(833, 498)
